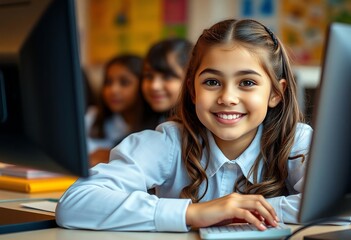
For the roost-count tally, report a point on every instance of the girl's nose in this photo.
(156, 83)
(114, 88)
(228, 97)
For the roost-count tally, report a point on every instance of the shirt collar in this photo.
(245, 160)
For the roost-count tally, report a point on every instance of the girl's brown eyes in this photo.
(211, 82)
(243, 83)
(247, 83)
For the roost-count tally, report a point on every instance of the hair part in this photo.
(275, 145)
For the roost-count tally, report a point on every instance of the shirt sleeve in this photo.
(115, 196)
(287, 207)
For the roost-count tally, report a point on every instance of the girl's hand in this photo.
(232, 208)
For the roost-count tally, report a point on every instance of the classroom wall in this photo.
(288, 19)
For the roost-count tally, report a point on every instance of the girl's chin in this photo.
(117, 109)
(160, 109)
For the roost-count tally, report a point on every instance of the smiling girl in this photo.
(236, 149)
(163, 74)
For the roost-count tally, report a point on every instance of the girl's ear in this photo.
(275, 99)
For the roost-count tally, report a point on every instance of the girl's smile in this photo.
(229, 117)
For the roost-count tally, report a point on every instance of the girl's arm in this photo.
(115, 196)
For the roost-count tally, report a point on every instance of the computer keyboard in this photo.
(244, 231)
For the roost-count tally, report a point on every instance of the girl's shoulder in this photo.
(165, 132)
(170, 127)
(165, 139)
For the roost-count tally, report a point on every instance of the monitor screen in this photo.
(41, 89)
(327, 186)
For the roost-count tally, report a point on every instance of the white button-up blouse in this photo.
(115, 196)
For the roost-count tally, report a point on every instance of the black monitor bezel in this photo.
(43, 84)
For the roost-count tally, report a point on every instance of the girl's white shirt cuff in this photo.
(171, 219)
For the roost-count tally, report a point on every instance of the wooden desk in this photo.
(11, 195)
(64, 234)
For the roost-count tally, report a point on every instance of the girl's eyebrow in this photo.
(239, 73)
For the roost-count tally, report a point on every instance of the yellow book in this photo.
(36, 185)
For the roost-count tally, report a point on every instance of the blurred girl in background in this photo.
(121, 108)
(164, 71)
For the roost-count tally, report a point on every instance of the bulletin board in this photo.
(264, 11)
(301, 25)
(131, 26)
(118, 26)
(303, 29)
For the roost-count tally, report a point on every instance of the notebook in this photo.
(36, 185)
(244, 231)
(28, 173)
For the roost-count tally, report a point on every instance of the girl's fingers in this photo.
(230, 221)
(270, 209)
(267, 216)
(239, 220)
(233, 208)
(246, 218)
(260, 208)
(258, 216)
(250, 218)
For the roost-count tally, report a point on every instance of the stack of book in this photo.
(22, 179)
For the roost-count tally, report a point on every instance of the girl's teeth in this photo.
(228, 116)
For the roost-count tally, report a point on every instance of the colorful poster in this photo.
(339, 11)
(131, 26)
(264, 11)
(303, 27)
(174, 18)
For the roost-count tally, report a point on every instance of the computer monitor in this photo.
(327, 184)
(41, 89)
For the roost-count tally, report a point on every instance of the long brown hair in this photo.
(278, 127)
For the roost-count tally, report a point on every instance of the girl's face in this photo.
(232, 95)
(121, 89)
(161, 91)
